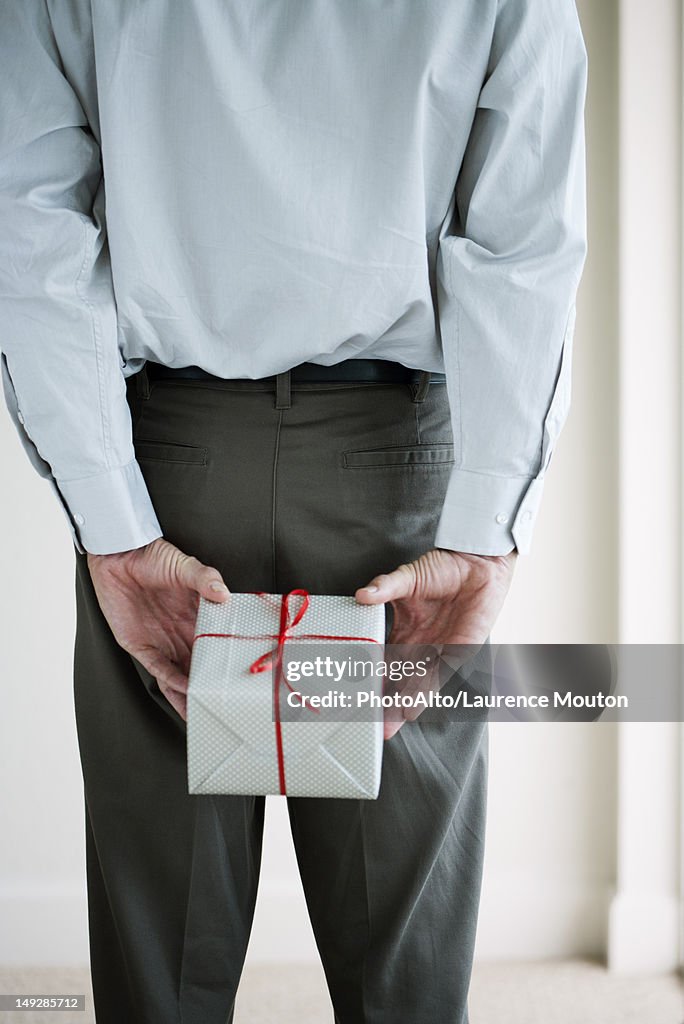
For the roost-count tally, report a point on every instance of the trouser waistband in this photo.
(349, 371)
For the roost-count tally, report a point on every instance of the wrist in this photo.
(510, 556)
(122, 557)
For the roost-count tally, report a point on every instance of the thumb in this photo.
(388, 587)
(204, 579)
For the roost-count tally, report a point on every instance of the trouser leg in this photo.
(392, 885)
(171, 878)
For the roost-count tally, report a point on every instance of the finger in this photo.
(459, 656)
(391, 727)
(179, 702)
(169, 676)
(182, 653)
(203, 579)
(410, 708)
(388, 587)
(430, 683)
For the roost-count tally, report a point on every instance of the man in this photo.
(319, 336)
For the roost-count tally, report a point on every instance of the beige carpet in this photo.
(538, 993)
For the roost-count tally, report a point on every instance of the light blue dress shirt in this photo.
(291, 180)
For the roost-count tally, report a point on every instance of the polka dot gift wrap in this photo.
(240, 741)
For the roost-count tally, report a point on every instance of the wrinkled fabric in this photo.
(392, 885)
(246, 187)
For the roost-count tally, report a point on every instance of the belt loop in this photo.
(283, 395)
(422, 387)
(142, 383)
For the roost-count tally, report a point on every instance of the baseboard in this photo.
(520, 919)
(645, 932)
(44, 926)
(532, 918)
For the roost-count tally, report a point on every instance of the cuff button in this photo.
(78, 518)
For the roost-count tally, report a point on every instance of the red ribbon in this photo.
(288, 622)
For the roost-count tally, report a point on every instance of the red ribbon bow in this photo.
(288, 622)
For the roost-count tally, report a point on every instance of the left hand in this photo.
(444, 597)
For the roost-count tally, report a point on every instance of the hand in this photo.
(149, 596)
(444, 597)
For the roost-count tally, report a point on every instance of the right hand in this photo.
(149, 596)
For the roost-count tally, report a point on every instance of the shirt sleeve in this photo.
(510, 258)
(62, 372)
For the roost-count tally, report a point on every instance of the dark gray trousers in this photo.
(321, 487)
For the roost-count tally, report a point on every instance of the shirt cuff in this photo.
(110, 512)
(489, 515)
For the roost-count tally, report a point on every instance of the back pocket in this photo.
(396, 456)
(170, 451)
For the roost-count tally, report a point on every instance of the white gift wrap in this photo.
(231, 733)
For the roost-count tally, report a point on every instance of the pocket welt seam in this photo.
(396, 458)
(165, 451)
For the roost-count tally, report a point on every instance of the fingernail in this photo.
(218, 587)
(372, 589)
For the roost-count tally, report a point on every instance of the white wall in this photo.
(42, 916)
(551, 859)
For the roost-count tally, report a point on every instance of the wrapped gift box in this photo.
(240, 739)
